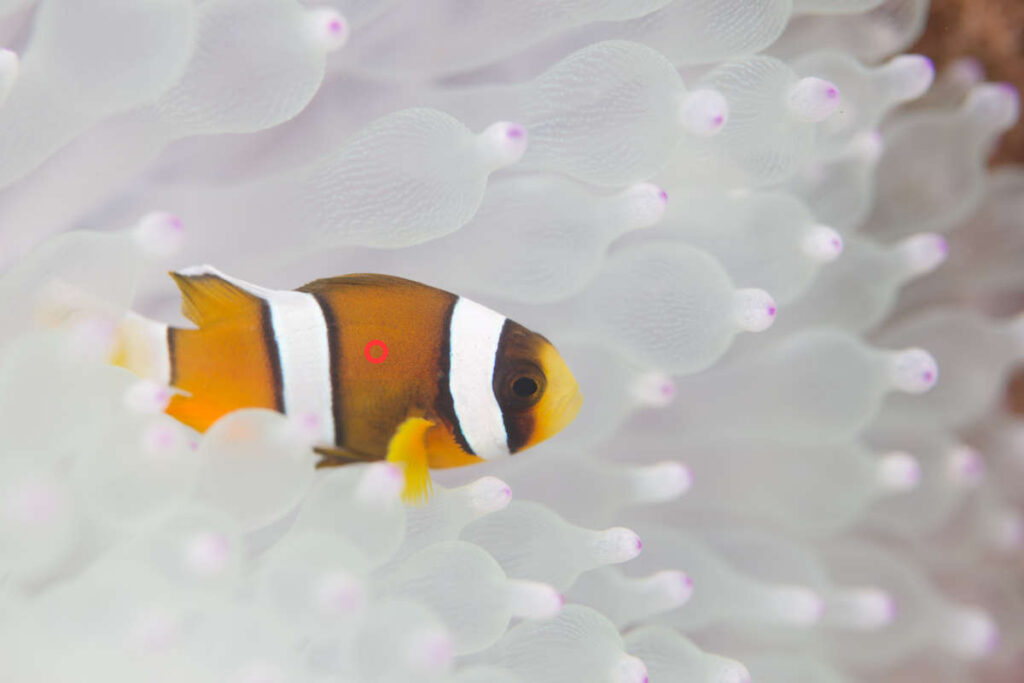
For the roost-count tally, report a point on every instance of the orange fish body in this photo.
(388, 367)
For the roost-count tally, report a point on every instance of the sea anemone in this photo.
(766, 244)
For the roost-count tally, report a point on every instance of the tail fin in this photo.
(141, 347)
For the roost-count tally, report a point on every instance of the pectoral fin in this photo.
(408, 448)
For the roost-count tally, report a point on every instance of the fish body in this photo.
(390, 368)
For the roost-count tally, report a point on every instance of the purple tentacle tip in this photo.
(771, 311)
(515, 132)
(973, 465)
(1007, 88)
(160, 438)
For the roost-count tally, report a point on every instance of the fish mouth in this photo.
(566, 409)
(559, 412)
(572, 406)
(563, 401)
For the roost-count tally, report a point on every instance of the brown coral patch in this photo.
(993, 32)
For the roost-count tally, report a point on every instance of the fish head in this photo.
(535, 389)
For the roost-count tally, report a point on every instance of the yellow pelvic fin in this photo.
(408, 448)
(207, 297)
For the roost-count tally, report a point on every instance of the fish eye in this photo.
(525, 387)
(521, 386)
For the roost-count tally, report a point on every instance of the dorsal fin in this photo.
(357, 280)
(208, 296)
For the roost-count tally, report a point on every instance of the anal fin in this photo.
(338, 457)
(408, 448)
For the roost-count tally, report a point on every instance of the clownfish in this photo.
(391, 369)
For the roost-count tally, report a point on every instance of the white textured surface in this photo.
(641, 182)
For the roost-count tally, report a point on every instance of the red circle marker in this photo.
(376, 343)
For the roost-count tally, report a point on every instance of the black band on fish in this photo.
(273, 354)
